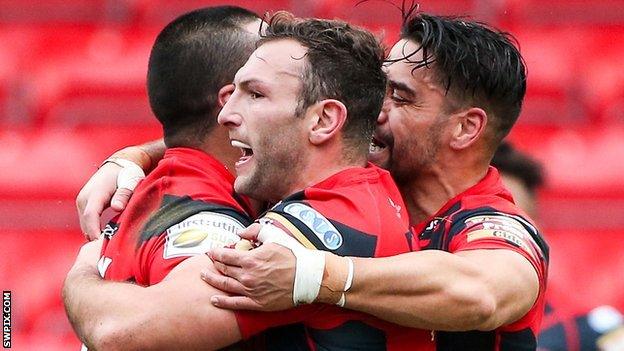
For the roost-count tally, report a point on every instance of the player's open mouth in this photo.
(376, 146)
(246, 152)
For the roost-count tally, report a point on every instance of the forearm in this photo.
(429, 290)
(145, 155)
(175, 313)
(101, 317)
(155, 150)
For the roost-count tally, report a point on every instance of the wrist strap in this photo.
(309, 267)
(129, 176)
(348, 283)
(134, 154)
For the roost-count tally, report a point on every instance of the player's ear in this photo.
(469, 126)
(328, 118)
(224, 94)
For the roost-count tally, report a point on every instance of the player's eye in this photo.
(255, 95)
(396, 97)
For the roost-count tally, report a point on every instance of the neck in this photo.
(429, 191)
(217, 144)
(322, 164)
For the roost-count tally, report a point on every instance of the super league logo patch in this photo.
(201, 232)
(320, 226)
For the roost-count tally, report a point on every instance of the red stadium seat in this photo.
(63, 11)
(563, 12)
(33, 267)
(160, 12)
(554, 90)
(377, 13)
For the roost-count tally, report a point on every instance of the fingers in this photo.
(228, 271)
(251, 232)
(228, 257)
(90, 219)
(235, 303)
(120, 199)
(94, 197)
(223, 283)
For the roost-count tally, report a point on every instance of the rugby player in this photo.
(304, 135)
(187, 203)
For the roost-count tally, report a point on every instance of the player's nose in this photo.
(383, 114)
(228, 116)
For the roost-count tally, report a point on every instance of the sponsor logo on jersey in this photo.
(103, 265)
(110, 230)
(200, 233)
(320, 226)
(499, 226)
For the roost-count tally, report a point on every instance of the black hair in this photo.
(478, 66)
(515, 163)
(192, 59)
(344, 62)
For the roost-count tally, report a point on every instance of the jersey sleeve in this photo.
(194, 235)
(315, 230)
(501, 231)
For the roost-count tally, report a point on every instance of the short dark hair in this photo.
(344, 62)
(475, 64)
(192, 59)
(515, 163)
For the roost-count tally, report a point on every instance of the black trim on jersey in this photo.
(352, 335)
(174, 209)
(554, 339)
(456, 218)
(459, 224)
(354, 242)
(436, 228)
(465, 341)
(522, 340)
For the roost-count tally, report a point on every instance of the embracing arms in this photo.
(474, 289)
(123, 316)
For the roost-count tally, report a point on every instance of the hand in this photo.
(88, 256)
(95, 196)
(262, 278)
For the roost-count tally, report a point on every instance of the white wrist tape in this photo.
(130, 175)
(348, 283)
(309, 267)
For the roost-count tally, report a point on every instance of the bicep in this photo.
(513, 278)
(186, 318)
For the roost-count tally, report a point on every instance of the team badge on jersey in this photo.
(320, 226)
(200, 233)
(110, 230)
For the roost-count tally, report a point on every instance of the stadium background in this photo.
(72, 90)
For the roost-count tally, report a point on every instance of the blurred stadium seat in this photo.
(63, 11)
(563, 12)
(160, 12)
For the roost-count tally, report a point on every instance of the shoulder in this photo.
(200, 232)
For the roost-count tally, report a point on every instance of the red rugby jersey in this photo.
(485, 217)
(183, 207)
(356, 212)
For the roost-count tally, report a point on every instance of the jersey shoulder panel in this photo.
(316, 231)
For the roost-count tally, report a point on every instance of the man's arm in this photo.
(473, 289)
(101, 189)
(433, 289)
(175, 313)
